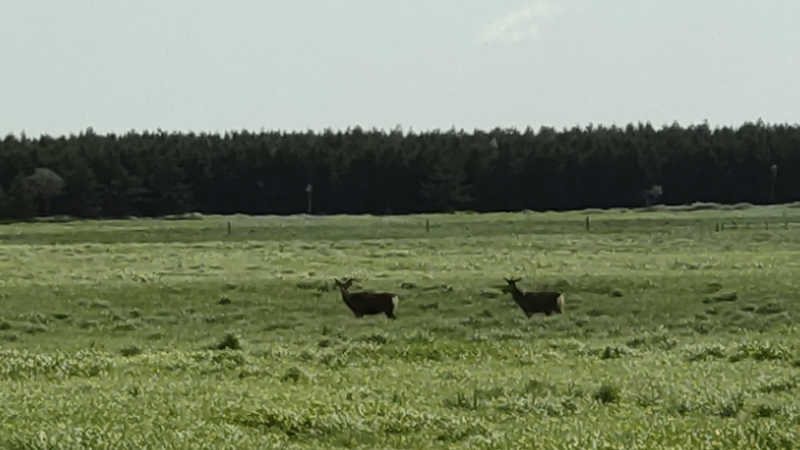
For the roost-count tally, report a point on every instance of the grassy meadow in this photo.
(680, 331)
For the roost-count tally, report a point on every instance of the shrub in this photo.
(731, 406)
(536, 387)
(702, 353)
(761, 352)
(295, 375)
(766, 410)
(613, 352)
(375, 338)
(131, 350)
(607, 393)
(782, 385)
(230, 341)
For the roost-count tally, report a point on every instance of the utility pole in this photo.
(309, 192)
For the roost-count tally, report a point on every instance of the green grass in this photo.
(149, 333)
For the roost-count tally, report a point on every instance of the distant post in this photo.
(427, 225)
(309, 192)
(229, 228)
(588, 223)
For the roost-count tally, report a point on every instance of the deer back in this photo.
(542, 302)
(367, 302)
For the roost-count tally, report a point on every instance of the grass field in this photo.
(176, 334)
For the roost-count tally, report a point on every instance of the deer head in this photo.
(512, 284)
(344, 284)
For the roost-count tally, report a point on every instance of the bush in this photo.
(731, 406)
(131, 350)
(702, 353)
(607, 393)
(230, 341)
(612, 352)
(295, 375)
(761, 352)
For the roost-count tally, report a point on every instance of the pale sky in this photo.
(202, 65)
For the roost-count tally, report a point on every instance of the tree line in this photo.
(382, 172)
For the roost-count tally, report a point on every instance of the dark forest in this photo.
(360, 171)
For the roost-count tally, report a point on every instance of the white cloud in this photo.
(519, 25)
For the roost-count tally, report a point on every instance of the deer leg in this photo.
(390, 315)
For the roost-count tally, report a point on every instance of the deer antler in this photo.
(344, 282)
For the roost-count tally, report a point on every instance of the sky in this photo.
(296, 65)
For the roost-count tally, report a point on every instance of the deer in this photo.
(366, 302)
(535, 302)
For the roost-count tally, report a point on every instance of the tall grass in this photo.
(172, 333)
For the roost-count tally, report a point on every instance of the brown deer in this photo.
(367, 303)
(535, 302)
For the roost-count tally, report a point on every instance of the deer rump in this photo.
(541, 302)
(371, 303)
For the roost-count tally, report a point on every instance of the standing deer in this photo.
(535, 302)
(367, 303)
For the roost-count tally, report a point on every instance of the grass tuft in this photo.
(295, 375)
(729, 296)
(230, 341)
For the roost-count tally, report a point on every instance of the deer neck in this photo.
(516, 294)
(345, 296)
